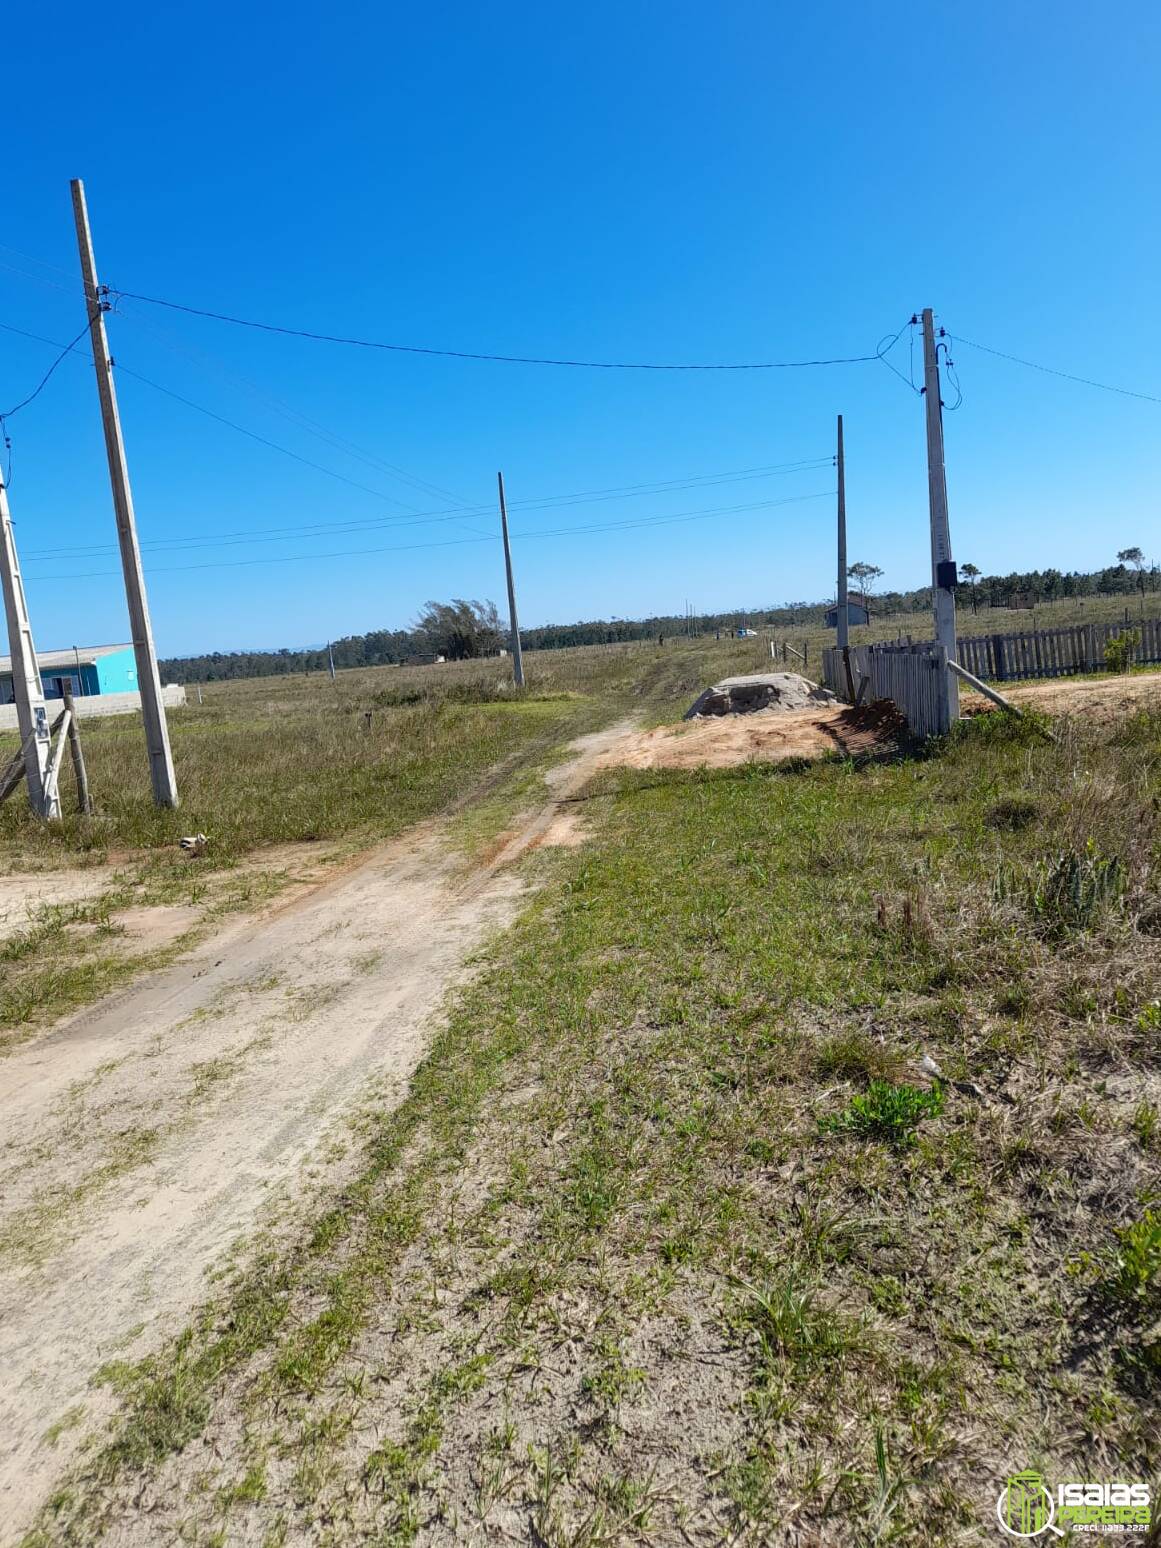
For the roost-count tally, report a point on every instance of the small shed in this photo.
(858, 610)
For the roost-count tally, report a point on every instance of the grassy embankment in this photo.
(676, 1237)
(287, 761)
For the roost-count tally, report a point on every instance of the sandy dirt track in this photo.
(144, 1137)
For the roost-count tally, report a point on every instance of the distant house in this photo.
(858, 610)
(89, 670)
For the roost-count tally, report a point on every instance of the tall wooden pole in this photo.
(943, 571)
(517, 654)
(28, 691)
(84, 800)
(148, 678)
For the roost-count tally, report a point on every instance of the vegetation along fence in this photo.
(911, 675)
(1054, 652)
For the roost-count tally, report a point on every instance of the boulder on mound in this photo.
(777, 691)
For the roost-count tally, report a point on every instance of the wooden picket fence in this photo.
(910, 675)
(1000, 658)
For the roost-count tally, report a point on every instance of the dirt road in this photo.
(148, 1135)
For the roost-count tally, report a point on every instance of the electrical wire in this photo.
(31, 398)
(949, 367)
(1085, 381)
(44, 263)
(352, 553)
(350, 529)
(282, 534)
(881, 353)
(168, 392)
(206, 360)
(463, 354)
(433, 518)
(66, 349)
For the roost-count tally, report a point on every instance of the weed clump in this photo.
(854, 1056)
(1073, 891)
(1134, 1274)
(887, 1112)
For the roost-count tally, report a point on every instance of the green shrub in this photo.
(888, 1113)
(1119, 650)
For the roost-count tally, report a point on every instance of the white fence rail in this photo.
(910, 675)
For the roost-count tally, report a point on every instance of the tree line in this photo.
(462, 628)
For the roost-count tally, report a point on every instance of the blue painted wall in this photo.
(82, 685)
(117, 673)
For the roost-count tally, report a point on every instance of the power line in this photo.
(221, 419)
(352, 553)
(463, 354)
(201, 409)
(65, 349)
(326, 529)
(204, 358)
(629, 491)
(882, 352)
(1086, 381)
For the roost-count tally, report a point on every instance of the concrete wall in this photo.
(100, 704)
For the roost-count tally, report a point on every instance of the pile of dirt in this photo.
(779, 691)
(716, 743)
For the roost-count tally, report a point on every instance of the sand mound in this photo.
(715, 742)
(778, 691)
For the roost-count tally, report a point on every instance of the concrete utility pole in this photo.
(31, 714)
(148, 679)
(331, 660)
(517, 654)
(842, 609)
(842, 617)
(943, 571)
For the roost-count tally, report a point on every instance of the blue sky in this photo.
(629, 181)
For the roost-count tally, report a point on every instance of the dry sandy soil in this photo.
(774, 735)
(1103, 701)
(146, 1136)
(767, 735)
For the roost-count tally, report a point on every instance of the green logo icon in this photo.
(1026, 1508)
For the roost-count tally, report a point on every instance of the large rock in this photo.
(765, 691)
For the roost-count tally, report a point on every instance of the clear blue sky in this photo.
(628, 181)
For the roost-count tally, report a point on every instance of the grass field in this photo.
(792, 1175)
(278, 762)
